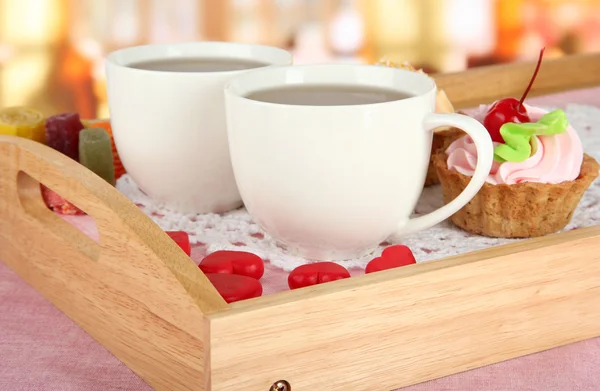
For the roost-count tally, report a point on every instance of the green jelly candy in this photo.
(95, 153)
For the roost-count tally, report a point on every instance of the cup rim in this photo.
(284, 56)
(233, 87)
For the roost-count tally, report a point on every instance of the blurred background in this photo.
(51, 51)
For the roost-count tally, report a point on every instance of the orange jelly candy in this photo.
(105, 124)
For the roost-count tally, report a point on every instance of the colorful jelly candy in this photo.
(62, 134)
(234, 262)
(95, 153)
(22, 122)
(58, 204)
(233, 287)
(391, 257)
(106, 125)
(316, 273)
(182, 239)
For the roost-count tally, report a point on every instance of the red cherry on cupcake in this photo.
(503, 111)
(509, 109)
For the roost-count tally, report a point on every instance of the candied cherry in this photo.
(509, 109)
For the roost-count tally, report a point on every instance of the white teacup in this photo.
(332, 182)
(169, 126)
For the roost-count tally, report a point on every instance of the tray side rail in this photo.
(402, 327)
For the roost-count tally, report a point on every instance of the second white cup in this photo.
(167, 112)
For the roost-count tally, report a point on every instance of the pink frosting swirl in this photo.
(558, 158)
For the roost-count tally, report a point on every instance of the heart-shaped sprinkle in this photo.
(392, 257)
(234, 287)
(182, 239)
(234, 262)
(316, 273)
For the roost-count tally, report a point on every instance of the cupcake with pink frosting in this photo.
(538, 178)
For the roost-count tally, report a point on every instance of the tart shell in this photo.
(522, 210)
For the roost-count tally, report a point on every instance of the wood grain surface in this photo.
(138, 294)
(484, 85)
(397, 328)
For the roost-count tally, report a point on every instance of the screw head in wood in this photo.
(281, 385)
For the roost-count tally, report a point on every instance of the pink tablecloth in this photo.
(43, 350)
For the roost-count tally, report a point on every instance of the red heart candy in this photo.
(400, 252)
(316, 273)
(234, 262)
(182, 239)
(392, 257)
(234, 287)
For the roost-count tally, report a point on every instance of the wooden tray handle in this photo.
(125, 231)
(134, 291)
(133, 253)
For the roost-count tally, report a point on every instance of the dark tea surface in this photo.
(197, 64)
(327, 95)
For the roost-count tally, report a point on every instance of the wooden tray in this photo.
(141, 297)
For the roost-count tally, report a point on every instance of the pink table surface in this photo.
(43, 350)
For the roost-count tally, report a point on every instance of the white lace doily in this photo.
(232, 230)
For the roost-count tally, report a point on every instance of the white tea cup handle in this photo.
(485, 158)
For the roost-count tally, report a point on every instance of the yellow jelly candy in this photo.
(23, 122)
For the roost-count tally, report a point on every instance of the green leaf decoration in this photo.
(519, 143)
(556, 122)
